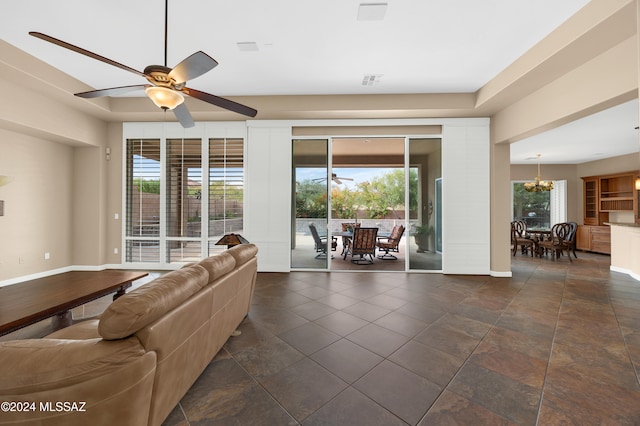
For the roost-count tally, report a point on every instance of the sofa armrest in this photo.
(39, 364)
(105, 382)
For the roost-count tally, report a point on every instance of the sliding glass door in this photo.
(369, 182)
(311, 241)
(425, 216)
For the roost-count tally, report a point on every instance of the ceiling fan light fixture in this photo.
(163, 97)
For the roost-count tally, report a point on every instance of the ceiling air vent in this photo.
(372, 11)
(247, 46)
(371, 79)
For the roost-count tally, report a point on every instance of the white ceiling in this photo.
(307, 47)
(609, 133)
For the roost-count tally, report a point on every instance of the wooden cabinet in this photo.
(616, 193)
(594, 238)
(591, 201)
(604, 195)
(607, 194)
(583, 237)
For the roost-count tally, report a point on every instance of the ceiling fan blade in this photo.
(192, 67)
(184, 116)
(84, 52)
(112, 91)
(344, 178)
(338, 181)
(221, 102)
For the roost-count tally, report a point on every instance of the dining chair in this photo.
(520, 238)
(390, 243)
(321, 242)
(362, 244)
(570, 242)
(556, 241)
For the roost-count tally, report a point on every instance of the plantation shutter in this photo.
(142, 229)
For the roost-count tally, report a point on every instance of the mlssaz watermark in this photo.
(43, 406)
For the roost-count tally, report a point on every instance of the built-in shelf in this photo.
(616, 205)
(605, 195)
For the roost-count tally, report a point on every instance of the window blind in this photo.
(143, 200)
(226, 186)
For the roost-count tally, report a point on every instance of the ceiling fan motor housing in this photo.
(158, 75)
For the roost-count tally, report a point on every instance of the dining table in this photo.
(538, 235)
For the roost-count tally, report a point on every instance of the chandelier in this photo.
(538, 185)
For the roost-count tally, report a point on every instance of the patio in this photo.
(303, 256)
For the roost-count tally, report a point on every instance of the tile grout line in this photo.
(553, 342)
(257, 382)
(624, 339)
(492, 327)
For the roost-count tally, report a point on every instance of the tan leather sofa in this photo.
(133, 364)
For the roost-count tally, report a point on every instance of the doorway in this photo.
(377, 182)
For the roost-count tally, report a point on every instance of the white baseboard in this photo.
(625, 271)
(50, 272)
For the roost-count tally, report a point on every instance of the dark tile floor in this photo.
(558, 343)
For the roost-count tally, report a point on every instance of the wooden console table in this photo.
(28, 302)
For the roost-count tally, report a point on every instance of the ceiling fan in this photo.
(335, 178)
(166, 85)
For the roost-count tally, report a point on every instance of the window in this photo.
(183, 199)
(226, 189)
(179, 201)
(539, 210)
(142, 224)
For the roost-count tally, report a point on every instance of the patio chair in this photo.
(347, 227)
(363, 244)
(321, 242)
(391, 243)
(520, 238)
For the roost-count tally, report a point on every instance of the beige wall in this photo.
(114, 194)
(38, 215)
(500, 208)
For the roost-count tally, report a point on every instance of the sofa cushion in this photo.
(219, 265)
(243, 252)
(82, 330)
(142, 306)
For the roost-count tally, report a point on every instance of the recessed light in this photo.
(247, 46)
(372, 11)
